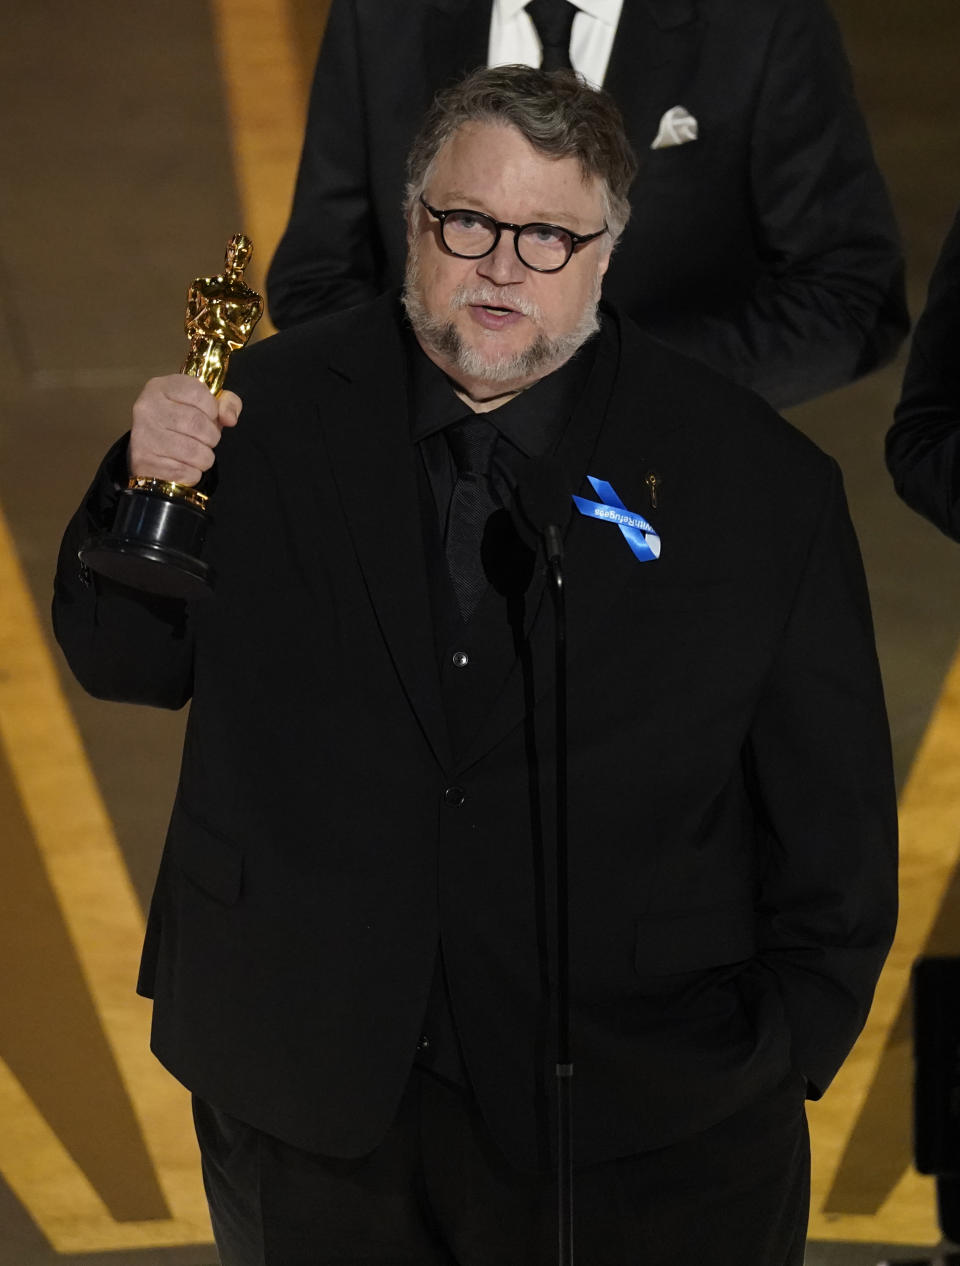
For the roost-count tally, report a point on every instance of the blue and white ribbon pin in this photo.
(637, 532)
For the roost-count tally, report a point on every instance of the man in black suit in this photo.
(762, 239)
(923, 445)
(350, 946)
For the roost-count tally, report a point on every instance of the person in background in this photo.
(762, 238)
(923, 456)
(923, 445)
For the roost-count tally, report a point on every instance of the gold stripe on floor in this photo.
(62, 805)
(261, 74)
(930, 850)
(87, 874)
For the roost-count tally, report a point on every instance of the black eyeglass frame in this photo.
(576, 239)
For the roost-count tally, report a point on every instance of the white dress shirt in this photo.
(513, 37)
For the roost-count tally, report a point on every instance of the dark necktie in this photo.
(473, 501)
(554, 22)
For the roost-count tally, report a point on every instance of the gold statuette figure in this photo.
(158, 533)
(221, 314)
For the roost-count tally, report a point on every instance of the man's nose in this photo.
(501, 266)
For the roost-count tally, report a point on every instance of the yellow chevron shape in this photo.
(87, 873)
(930, 853)
(58, 790)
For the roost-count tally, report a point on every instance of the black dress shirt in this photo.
(529, 426)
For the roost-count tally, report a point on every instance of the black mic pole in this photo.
(553, 546)
(542, 507)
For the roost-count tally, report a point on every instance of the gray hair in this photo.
(556, 111)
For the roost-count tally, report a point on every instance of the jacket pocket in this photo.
(213, 862)
(694, 940)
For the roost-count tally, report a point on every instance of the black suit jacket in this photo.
(732, 815)
(923, 445)
(766, 248)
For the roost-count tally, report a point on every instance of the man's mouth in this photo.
(495, 316)
(483, 301)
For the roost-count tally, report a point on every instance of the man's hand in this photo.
(177, 422)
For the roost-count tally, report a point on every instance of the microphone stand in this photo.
(553, 547)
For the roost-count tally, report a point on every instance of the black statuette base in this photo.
(155, 544)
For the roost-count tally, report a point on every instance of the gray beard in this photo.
(442, 337)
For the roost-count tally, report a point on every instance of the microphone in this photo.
(542, 505)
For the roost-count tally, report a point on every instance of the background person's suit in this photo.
(923, 445)
(732, 813)
(767, 247)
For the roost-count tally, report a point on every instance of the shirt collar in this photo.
(603, 10)
(434, 405)
(533, 420)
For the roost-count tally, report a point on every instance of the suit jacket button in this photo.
(454, 797)
(460, 659)
(424, 1043)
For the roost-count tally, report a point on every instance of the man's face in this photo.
(493, 324)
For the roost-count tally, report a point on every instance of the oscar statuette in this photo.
(156, 542)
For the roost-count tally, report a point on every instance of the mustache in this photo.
(490, 296)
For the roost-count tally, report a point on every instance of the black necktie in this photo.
(473, 501)
(554, 22)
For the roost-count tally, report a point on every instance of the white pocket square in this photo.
(676, 128)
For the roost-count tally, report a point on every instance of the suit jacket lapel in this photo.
(456, 39)
(364, 431)
(652, 58)
(373, 462)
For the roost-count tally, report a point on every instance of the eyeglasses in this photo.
(545, 248)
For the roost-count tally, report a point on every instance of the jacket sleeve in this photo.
(120, 643)
(329, 257)
(829, 304)
(819, 752)
(923, 445)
